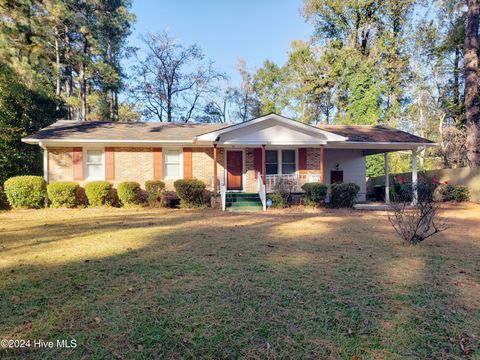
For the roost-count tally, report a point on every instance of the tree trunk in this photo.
(68, 69)
(58, 88)
(472, 105)
(83, 80)
(115, 105)
(456, 87)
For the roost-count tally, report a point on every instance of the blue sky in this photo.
(228, 29)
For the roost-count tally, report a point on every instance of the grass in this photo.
(136, 283)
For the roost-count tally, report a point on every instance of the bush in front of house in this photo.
(100, 193)
(343, 195)
(315, 193)
(26, 191)
(129, 193)
(279, 199)
(456, 193)
(156, 193)
(64, 194)
(191, 192)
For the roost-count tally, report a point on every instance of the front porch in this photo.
(264, 169)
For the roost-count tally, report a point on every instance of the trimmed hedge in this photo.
(129, 193)
(26, 192)
(191, 192)
(279, 199)
(156, 193)
(64, 194)
(315, 193)
(100, 193)
(343, 195)
(456, 193)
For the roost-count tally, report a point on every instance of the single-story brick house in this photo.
(250, 157)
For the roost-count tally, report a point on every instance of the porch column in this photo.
(414, 178)
(321, 164)
(45, 162)
(387, 180)
(215, 177)
(264, 165)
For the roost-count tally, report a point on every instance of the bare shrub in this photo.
(416, 223)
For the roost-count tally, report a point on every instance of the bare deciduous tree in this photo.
(416, 223)
(171, 81)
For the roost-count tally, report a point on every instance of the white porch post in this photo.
(414, 177)
(45, 162)
(387, 180)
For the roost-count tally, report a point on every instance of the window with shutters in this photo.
(281, 162)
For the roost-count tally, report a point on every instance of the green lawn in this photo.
(202, 283)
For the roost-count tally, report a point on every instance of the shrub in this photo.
(453, 193)
(401, 192)
(129, 193)
(279, 199)
(100, 193)
(64, 194)
(156, 193)
(315, 193)
(191, 192)
(417, 223)
(343, 195)
(26, 191)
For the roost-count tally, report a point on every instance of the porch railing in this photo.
(262, 193)
(289, 182)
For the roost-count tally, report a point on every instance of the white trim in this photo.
(213, 135)
(85, 151)
(99, 141)
(414, 178)
(164, 163)
(387, 179)
(244, 174)
(381, 143)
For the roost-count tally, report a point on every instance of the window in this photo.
(288, 161)
(271, 162)
(173, 164)
(94, 165)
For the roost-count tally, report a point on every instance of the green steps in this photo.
(243, 202)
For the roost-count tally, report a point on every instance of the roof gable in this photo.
(271, 129)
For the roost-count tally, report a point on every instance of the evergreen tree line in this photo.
(58, 59)
(71, 48)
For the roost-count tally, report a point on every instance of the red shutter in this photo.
(257, 161)
(157, 164)
(109, 163)
(77, 163)
(187, 163)
(302, 161)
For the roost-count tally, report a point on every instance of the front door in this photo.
(336, 177)
(234, 170)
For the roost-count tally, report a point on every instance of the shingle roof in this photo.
(102, 130)
(373, 133)
(148, 131)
